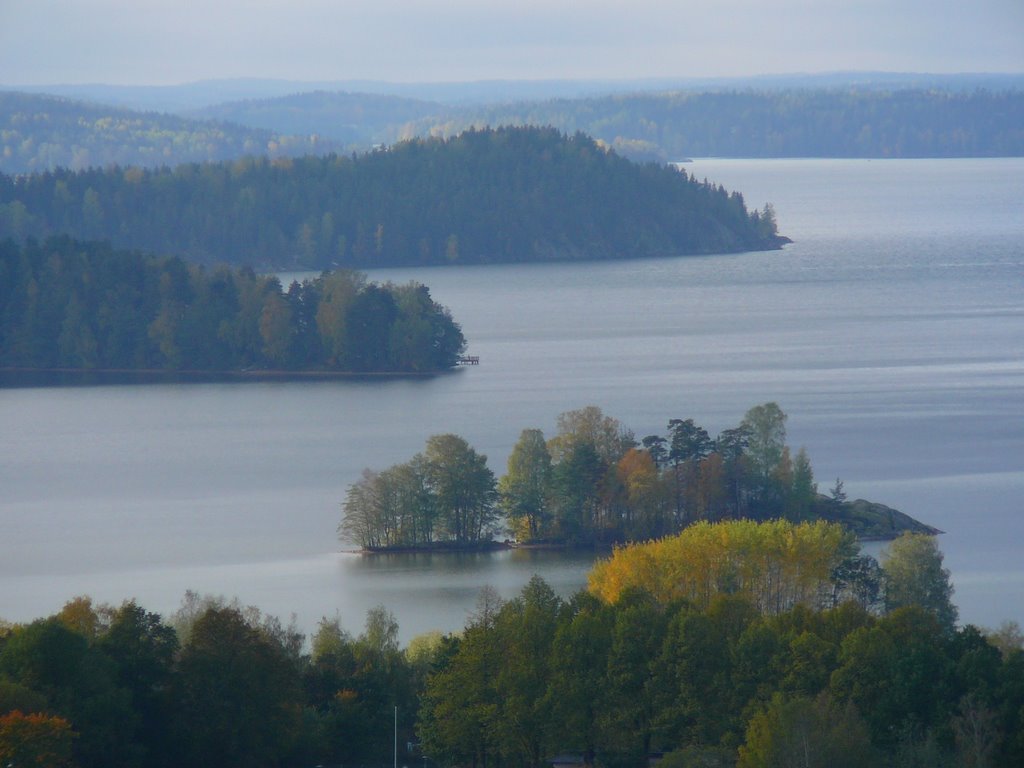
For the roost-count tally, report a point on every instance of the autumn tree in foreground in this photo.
(777, 565)
(37, 740)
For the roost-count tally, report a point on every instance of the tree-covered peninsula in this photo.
(503, 195)
(595, 484)
(86, 306)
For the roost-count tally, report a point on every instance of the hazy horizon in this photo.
(160, 42)
(839, 74)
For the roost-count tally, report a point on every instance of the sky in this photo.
(166, 42)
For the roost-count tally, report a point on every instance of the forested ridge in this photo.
(505, 195)
(850, 117)
(40, 133)
(837, 122)
(66, 304)
(354, 119)
(835, 679)
(595, 484)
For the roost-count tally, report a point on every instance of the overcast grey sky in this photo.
(176, 41)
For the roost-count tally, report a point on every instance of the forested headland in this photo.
(72, 305)
(595, 485)
(504, 195)
(780, 659)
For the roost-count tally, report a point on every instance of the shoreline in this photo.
(29, 377)
(445, 548)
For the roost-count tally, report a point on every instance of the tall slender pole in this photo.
(396, 736)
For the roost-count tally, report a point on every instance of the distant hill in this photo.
(867, 120)
(875, 115)
(842, 115)
(860, 122)
(349, 118)
(506, 195)
(185, 97)
(39, 133)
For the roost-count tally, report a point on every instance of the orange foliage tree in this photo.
(35, 740)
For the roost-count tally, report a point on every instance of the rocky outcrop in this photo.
(870, 520)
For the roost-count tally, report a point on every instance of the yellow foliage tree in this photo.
(776, 565)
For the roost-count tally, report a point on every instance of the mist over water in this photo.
(891, 331)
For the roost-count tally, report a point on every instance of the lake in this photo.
(891, 331)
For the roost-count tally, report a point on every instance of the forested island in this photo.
(732, 645)
(84, 306)
(503, 195)
(595, 485)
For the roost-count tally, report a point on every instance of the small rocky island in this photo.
(871, 521)
(594, 485)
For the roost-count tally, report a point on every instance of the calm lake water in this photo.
(891, 332)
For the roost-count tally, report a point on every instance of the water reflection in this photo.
(439, 591)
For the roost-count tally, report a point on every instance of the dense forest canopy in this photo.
(616, 684)
(505, 195)
(594, 484)
(71, 305)
(716, 683)
(40, 133)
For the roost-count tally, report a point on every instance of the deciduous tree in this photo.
(913, 575)
(463, 488)
(806, 733)
(526, 627)
(236, 694)
(526, 487)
